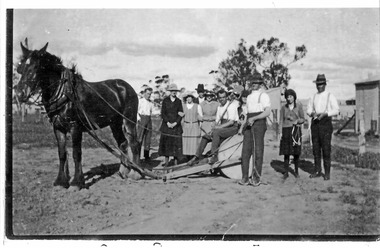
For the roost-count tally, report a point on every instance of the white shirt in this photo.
(253, 103)
(201, 100)
(190, 105)
(321, 105)
(231, 114)
(145, 108)
(236, 103)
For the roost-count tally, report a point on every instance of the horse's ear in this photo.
(43, 50)
(25, 50)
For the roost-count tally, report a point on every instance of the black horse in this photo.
(76, 106)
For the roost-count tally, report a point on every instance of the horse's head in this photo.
(28, 67)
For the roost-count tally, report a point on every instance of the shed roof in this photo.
(368, 82)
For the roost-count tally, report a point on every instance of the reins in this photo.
(136, 123)
(91, 126)
(92, 133)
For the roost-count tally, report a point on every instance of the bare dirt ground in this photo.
(200, 204)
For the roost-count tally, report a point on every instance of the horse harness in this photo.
(62, 96)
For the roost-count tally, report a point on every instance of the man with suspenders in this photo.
(226, 125)
(321, 108)
(258, 107)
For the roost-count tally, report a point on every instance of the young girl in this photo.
(291, 120)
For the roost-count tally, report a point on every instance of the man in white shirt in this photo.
(258, 108)
(321, 108)
(144, 119)
(226, 125)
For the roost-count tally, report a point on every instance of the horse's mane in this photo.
(52, 62)
(49, 62)
(75, 71)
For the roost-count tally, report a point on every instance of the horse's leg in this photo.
(131, 148)
(63, 177)
(78, 180)
(117, 132)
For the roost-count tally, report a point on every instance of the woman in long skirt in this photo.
(171, 129)
(291, 119)
(190, 124)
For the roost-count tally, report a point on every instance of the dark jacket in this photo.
(169, 113)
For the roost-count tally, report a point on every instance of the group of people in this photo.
(189, 124)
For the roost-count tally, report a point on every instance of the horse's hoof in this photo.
(123, 171)
(61, 185)
(134, 175)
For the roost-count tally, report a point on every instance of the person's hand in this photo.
(290, 118)
(182, 114)
(174, 124)
(321, 116)
(251, 121)
(240, 132)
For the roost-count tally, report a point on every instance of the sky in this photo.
(138, 44)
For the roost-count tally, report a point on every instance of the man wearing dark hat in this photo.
(200, 90)
(258, 108)
(321, 108)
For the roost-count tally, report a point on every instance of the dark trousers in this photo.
(321, 132)
(253, 144)
(144, 131)
(217, 137)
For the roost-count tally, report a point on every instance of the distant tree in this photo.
(16, 93)
(272, 56)
(237, 67)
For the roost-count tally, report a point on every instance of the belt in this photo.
(208, 120)
(191, 121)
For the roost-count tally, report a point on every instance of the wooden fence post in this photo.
(361, 132)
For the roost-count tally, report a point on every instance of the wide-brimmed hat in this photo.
(187, 94)
(200, 88)
(256, 78)
(209, 93)
(172, 87)
(237, 89)
(321, 79)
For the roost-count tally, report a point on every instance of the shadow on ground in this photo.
(304, 165)
(100, 172)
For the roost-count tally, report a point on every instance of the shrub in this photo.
(368, 160)
(343, 155)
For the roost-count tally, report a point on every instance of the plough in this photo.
(229, 163)
(203, 166)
